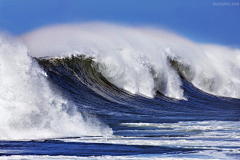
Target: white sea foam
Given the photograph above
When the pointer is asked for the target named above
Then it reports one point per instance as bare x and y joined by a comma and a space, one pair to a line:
137, 58
202, 155
29, 108
214, 139
199, 134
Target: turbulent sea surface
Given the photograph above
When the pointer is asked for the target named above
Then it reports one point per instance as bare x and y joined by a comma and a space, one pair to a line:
104, 91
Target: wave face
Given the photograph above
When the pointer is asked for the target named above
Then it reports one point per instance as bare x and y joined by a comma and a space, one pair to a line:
143, 60
30, 108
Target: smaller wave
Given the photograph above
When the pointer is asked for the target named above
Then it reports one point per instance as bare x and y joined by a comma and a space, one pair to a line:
214, 71
30, 108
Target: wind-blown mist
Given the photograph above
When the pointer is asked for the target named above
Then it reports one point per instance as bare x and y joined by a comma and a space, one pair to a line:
142, 60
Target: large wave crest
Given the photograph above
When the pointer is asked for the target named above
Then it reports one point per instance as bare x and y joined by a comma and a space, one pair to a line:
143, 60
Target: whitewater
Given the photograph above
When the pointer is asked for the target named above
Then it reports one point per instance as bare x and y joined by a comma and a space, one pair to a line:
99, 90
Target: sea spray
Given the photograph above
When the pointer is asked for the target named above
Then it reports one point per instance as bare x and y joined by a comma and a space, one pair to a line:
29, 108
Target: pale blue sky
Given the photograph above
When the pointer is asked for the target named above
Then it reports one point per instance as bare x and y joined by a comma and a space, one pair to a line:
198, 20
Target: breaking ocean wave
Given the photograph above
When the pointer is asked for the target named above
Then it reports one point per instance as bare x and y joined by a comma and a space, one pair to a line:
99, 90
